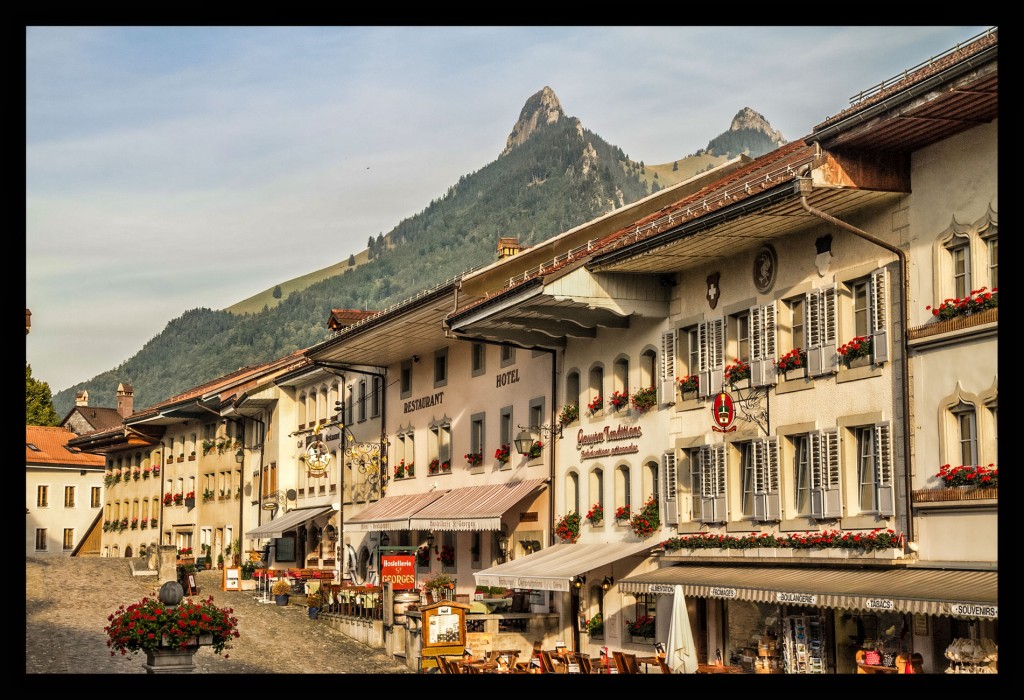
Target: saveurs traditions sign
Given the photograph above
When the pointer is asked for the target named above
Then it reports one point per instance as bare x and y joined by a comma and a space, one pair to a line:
399, 570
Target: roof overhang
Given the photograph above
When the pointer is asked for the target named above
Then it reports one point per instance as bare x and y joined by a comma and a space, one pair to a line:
966, 594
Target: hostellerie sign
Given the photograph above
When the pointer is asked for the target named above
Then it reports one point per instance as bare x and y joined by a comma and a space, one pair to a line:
399, 571
724, 412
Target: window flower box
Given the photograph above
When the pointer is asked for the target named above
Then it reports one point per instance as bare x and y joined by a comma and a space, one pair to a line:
644, 399
502, 454
688, 384
568, 527
570, 413
595, 516
596, 404
618, 399
475, 459
536, 449
795, 359
977, 301
857, 348
737, 372
403, 470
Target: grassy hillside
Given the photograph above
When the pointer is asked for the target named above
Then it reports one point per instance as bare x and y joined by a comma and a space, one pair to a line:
667, 174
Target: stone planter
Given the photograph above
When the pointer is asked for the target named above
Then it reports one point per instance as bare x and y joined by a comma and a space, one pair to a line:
166, 660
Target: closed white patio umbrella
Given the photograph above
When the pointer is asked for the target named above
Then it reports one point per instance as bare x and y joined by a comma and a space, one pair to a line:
680, 653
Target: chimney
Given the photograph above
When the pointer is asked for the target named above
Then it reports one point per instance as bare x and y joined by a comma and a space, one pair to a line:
125, 399
508, 246
82, 398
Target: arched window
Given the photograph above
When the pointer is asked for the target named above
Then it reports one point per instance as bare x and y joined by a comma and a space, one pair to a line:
623, 494
572, 493
595, 384
648, 369
620, 375
302, 409
572, 388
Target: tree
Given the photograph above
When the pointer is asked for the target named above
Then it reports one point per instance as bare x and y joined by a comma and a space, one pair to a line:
38, 401
351, 260
675, 166
277, 292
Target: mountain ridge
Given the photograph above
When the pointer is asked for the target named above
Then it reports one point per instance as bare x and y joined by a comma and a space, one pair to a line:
552, 175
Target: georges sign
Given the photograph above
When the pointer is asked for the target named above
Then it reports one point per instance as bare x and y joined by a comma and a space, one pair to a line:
585, 441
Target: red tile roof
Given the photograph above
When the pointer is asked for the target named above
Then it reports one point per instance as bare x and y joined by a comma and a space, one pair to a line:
51, 447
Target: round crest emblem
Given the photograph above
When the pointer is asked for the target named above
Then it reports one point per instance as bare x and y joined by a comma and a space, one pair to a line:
723, 410
318, 456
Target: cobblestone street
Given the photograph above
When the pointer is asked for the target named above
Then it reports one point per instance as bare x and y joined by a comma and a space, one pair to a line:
68, 600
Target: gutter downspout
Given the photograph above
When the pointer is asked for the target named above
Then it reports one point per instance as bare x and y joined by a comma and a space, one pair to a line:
803, 188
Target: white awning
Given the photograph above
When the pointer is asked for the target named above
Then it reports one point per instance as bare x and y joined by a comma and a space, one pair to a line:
474, 507
553, 569
965, 594
287, 521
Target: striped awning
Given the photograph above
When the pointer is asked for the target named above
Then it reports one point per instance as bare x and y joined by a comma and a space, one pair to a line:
287, 521
474, 507
956, 593
391, 512
553, 569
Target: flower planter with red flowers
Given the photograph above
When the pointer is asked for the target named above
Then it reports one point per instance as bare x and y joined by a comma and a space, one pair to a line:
622, 515
568, 527
596, 404
737, 372
977, 301
795, 359
644, 400
595, 516
618, 400
475, 459
858, 347
502, 454
688, 384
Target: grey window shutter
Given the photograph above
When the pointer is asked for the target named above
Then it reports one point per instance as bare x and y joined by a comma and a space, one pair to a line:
825, 481
879, 309
762, 345
670, 500
883, 467
712, 484
668, 367
820, 319
711, 348
767, 501
829, 330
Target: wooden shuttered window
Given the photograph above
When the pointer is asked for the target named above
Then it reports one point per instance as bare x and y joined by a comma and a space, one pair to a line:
711, 356
826, 500
762, 345
670, 498
883, 466
667, 366
712, 484
767, 499
820, 321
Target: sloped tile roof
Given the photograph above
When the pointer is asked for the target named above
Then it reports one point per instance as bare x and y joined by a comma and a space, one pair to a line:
51, 447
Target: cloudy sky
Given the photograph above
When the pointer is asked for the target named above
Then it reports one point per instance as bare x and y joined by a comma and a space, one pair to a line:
170, 168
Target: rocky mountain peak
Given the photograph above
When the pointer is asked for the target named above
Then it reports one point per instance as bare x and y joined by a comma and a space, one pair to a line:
541, 108
747, 118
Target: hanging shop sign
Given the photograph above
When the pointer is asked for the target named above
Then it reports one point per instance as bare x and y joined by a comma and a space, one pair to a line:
974, 610
724, 411
399, 570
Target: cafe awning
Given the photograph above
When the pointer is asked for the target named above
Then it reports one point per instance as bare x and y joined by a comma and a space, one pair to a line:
287, 521
474, 507
958, 593
553, 569
391, 512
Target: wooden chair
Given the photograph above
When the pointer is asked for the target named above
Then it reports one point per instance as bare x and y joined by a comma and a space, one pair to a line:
525, 665
583, 661
662, 665
442, 665
620, 662
632, 665
547, 665
453, 665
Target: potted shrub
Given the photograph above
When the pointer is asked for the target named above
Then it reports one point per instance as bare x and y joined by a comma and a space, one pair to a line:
280, 591
220, 561
314, 603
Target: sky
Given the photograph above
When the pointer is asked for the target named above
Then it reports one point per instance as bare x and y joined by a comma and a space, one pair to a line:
172, 168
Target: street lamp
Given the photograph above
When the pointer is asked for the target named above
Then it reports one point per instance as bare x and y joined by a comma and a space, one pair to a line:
525, 439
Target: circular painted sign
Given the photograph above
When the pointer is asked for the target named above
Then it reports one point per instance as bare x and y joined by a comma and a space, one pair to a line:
318, 456
723, 410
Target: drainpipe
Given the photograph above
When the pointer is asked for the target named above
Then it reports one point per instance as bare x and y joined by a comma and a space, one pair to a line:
803, 188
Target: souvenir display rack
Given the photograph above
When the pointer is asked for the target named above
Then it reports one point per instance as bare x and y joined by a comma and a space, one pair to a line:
804, 644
